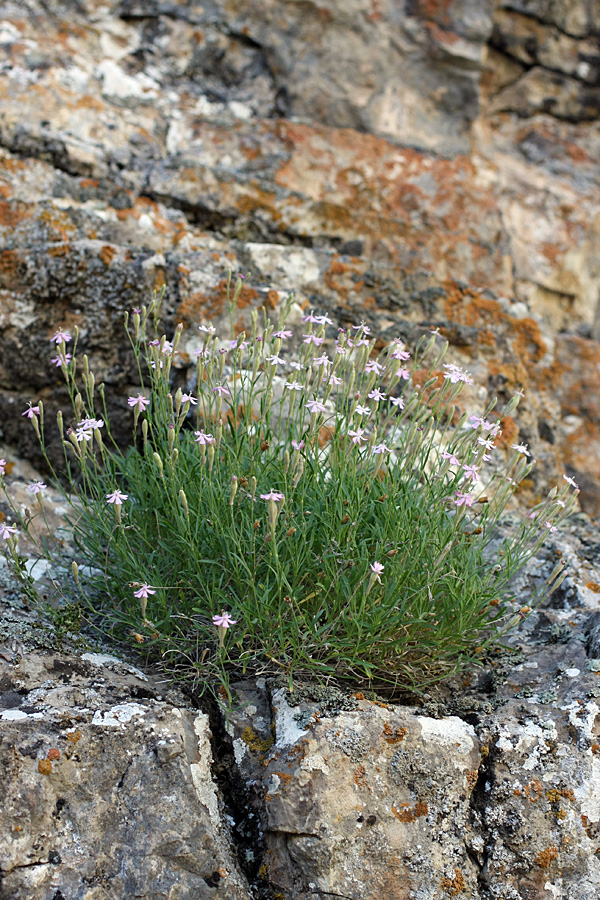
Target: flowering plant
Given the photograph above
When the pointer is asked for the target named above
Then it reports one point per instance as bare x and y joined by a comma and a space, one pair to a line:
329, 513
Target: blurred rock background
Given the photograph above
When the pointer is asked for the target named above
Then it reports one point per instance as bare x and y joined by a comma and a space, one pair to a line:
413, 163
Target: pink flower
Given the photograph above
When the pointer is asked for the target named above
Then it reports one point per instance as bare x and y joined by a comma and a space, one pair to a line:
357, 436
6, 531
403, 373
335, 380
294, 386
486, 442
313, 339
472, 472
59, 362
377, 568
566, 477
315, 406
322, 361
189, 398
309, 317
274, 360
376, 395
221, 390
296, 365
381, 448
140, 401
282, 335
297, 445
374, 366
453, 460
464, 499
204, 439
61, 337
144, 592
36, 487
225, 620
456, 374
365, 328
400, 353
207, 329
397, 401
117, 497
275, 496
31, 412
551, 528
521, 448
2, 466
362, 410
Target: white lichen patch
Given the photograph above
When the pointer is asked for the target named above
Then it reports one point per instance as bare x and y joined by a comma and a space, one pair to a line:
286, 727
240, 750
583, 718
314, 763
119, 716
17, 715
201, 774
449, 732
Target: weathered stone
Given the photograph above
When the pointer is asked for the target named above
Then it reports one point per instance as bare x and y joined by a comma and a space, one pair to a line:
107, 787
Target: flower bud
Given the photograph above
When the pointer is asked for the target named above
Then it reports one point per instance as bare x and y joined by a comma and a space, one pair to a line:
184, 503
159, 463
233, 489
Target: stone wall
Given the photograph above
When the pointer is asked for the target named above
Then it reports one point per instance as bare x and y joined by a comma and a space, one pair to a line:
418, 164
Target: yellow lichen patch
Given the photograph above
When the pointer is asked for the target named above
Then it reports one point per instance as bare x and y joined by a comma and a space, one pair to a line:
254, 743
556, 794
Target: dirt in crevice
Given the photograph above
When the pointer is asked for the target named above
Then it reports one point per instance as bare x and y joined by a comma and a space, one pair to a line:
241, 804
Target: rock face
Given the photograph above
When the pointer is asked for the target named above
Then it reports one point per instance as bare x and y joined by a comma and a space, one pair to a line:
374, 157
107, 787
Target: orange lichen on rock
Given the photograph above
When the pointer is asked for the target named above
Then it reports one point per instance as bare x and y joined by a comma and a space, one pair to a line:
545, 857
404, 812
393, 735
106, 254
454, 886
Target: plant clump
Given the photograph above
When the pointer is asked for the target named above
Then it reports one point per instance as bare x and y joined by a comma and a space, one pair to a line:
327, 514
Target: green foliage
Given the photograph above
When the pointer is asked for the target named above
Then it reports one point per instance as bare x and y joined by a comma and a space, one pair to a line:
334, 513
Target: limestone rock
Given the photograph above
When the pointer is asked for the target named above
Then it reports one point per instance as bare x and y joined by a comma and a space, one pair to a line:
106, 785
